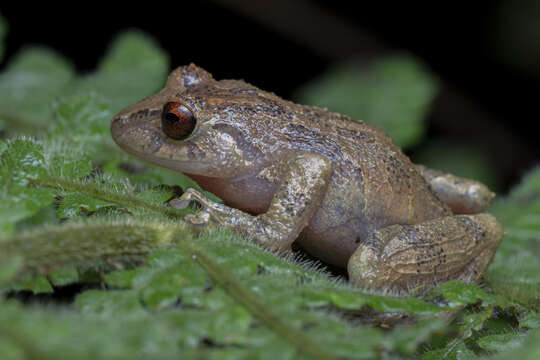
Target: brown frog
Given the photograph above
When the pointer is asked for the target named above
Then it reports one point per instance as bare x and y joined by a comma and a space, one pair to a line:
290, 172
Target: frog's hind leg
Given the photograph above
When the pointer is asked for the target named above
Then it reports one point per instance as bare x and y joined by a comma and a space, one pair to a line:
401, 257
463, 196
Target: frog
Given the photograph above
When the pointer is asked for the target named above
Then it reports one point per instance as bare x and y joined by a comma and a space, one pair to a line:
337, 188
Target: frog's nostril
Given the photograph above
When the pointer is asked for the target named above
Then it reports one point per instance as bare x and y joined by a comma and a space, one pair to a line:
119, 120
118, 128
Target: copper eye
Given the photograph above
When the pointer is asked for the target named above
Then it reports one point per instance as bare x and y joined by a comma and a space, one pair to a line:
177, 120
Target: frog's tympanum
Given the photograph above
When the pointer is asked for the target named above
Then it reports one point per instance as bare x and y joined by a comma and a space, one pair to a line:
286, 172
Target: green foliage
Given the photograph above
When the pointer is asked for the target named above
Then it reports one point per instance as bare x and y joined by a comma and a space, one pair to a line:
32, 81
499, 342
458, 294
515, 271
75, 210
393, 93
133, 68
20, 161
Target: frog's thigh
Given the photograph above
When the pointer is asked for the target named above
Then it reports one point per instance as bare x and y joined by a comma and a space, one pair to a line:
463, 196
401, 257
297, 199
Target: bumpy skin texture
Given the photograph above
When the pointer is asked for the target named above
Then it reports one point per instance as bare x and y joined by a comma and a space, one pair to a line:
339, 187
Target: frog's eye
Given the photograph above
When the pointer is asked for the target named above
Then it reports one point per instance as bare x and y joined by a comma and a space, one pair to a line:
177, 120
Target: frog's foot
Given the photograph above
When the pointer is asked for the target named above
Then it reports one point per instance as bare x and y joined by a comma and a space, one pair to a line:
202, 218
199, 219
296, 200
401, 257
189, 195
463, 196
210, 209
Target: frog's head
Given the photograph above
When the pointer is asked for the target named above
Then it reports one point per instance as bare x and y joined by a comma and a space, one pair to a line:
196, 125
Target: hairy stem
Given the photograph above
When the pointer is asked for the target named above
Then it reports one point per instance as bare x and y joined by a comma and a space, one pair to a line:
261, 311
86, 243
125, 200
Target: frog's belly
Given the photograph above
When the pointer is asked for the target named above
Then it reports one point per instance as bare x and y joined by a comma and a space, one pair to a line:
334, 245
252, 195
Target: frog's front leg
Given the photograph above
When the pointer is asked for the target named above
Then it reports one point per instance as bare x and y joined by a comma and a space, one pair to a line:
298, 197
401, 257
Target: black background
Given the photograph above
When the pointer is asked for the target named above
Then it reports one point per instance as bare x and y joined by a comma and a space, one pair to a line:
226, 38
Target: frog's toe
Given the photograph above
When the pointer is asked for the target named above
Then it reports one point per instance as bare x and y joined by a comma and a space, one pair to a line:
179, 203
201, 218
183, 201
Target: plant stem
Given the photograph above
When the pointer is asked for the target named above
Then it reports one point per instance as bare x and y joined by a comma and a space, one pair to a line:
125, 200
261, 311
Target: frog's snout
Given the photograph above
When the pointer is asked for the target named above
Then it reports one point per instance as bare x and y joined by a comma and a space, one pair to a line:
117, 124
137, 132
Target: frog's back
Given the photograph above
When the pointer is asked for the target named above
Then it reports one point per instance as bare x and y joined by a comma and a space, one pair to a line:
373, 185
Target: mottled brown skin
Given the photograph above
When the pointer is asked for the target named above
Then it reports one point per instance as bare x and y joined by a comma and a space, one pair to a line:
341, 188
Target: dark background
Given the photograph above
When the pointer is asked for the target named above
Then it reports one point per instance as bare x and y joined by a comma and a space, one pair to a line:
486, 53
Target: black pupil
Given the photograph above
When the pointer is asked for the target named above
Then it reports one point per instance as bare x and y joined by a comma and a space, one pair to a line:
171, 117
177, 121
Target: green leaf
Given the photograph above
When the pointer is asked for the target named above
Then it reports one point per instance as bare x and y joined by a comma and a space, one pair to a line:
21, 161
66, 162
157, 195
45, 216
73, 205
407, 338
515, 272
84, 121
530, 320
73, 336
454, 351
28, 86
64, 276
25, 160
502, 342
458, 294
9, 268
515, 347
393, 93
474, 322
133, 68
38, 284
109, 303
121, 279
